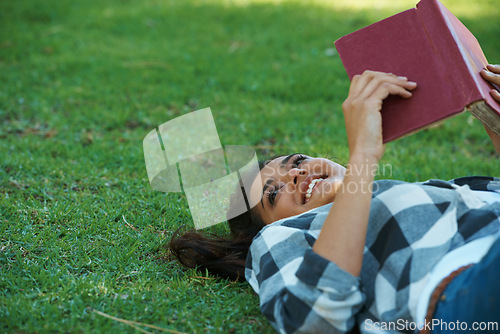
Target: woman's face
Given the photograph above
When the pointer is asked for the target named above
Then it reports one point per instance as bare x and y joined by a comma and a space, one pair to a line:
295, 184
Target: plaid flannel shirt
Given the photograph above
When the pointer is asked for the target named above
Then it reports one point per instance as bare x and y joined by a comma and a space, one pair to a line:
411, 227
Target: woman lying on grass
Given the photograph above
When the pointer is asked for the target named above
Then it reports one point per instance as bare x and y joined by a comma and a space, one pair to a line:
332, 248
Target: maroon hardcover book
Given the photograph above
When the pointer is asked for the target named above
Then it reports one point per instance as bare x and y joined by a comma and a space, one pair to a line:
430, 46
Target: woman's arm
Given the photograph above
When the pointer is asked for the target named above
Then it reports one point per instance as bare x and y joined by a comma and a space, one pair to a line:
493, 76
343, 235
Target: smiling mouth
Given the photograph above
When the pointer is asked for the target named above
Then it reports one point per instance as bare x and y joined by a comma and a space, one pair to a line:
310, 188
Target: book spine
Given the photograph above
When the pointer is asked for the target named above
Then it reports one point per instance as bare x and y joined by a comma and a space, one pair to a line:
446, 43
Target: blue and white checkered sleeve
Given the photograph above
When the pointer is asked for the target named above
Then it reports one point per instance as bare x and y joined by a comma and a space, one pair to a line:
299, 290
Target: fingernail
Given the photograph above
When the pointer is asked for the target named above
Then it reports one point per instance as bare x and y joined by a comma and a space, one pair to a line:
403, 78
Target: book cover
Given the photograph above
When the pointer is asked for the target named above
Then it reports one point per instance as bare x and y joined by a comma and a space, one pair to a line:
430, 46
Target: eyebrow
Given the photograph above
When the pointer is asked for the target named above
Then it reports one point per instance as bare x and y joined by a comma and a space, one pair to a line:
268, 182
285, 161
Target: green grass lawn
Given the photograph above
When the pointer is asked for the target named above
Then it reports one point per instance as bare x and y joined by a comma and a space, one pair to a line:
82, 83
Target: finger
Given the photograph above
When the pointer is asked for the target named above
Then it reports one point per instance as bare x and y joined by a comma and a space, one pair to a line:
493, 68
495, 94
354, 87
359, 82
379, 81
491, 77
386, 89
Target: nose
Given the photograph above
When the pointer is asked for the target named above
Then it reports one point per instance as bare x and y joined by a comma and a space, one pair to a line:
294, 173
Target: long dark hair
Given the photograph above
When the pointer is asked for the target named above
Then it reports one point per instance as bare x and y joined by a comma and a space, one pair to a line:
223, 257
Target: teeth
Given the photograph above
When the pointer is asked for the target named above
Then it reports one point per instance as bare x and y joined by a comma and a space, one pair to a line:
311, 186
